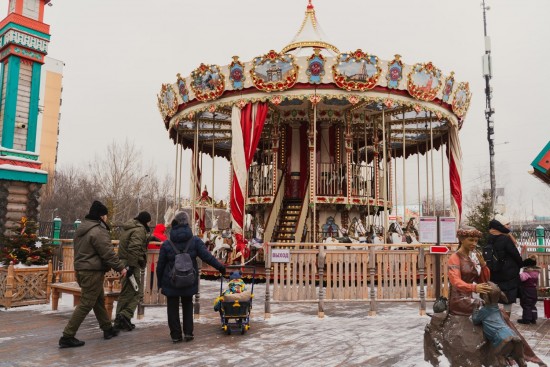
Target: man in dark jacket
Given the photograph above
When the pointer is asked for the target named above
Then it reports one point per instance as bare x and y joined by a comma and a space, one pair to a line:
93, 256
132, 251
180, 234
505, 251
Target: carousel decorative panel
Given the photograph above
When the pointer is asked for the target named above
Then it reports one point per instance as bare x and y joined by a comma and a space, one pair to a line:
182, 88
167, 101
461, 100
356, 71
274, 72
208, 82
424, 81
448, 88
395, 72
236, 73
315, 67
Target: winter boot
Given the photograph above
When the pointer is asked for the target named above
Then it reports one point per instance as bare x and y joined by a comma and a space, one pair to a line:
70, 342
109, 333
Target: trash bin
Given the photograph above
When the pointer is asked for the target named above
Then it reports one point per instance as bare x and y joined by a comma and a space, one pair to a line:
547, 308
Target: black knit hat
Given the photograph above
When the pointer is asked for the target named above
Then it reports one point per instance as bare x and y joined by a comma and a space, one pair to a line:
97, 210
143, 217
530, 262
495, 224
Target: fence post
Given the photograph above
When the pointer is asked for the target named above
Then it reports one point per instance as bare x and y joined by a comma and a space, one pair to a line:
540, 238
372, 272
421, 273
56, 230
267, 261
321, 272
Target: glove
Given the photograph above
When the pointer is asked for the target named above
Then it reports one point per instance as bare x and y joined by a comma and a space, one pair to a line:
222, 270
129, 271
142, 264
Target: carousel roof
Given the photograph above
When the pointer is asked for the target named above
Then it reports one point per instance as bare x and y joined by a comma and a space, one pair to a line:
417, 102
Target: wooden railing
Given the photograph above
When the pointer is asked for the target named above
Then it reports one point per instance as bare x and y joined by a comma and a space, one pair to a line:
365, 275
303, 216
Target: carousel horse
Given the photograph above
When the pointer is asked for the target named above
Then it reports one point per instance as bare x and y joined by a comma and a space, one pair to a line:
359, 231
248, 218
257, 241
215, 223
411, 233
221, 248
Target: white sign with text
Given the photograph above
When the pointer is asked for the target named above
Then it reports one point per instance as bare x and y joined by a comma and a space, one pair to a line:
427, 229
447, 230
280, 255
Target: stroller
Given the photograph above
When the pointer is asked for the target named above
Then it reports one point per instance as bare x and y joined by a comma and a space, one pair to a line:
235, 308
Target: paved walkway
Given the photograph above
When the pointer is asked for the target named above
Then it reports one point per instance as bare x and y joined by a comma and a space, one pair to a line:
294, 336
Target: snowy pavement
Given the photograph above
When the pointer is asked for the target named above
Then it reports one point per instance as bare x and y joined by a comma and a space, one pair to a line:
293, 336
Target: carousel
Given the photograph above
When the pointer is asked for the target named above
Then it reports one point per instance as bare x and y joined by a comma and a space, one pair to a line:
316, 138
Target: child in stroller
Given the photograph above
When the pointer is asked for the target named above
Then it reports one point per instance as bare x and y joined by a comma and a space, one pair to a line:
234, 304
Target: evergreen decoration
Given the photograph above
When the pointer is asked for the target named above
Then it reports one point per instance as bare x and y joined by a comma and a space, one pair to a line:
22, 246
480, 216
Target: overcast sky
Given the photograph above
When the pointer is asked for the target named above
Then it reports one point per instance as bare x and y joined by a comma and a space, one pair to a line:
118, 53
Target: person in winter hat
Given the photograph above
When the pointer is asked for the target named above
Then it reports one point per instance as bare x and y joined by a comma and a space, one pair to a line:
132, 250
94, 255
181, 237
505, 250
528, 295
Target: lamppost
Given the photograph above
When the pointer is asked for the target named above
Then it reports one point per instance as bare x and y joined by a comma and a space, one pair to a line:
139, 191
489, 111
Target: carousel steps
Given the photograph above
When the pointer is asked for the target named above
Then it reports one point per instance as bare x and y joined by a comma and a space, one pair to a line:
288, 219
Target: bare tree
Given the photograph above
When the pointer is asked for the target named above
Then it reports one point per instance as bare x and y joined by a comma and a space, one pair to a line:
117, 175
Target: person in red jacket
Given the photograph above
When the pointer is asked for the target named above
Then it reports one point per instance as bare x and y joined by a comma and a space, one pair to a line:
157, 236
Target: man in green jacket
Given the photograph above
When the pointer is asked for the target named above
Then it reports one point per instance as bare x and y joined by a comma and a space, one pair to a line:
93, 256
132, 250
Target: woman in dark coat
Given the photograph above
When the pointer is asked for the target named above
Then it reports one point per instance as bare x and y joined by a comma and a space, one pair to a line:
179, 234
504, 248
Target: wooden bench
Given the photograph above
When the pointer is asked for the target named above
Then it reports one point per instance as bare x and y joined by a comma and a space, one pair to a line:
111, 289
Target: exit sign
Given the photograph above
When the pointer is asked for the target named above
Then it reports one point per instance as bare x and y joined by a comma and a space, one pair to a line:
442, 250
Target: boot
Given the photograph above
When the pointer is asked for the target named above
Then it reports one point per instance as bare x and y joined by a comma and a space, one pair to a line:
122, 323
109, 333
70, 342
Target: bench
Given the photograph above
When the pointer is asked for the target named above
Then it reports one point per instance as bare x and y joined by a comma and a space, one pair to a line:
111, 290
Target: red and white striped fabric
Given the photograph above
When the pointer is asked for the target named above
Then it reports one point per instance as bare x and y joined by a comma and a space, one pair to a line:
196, 186
246, 128
455, 172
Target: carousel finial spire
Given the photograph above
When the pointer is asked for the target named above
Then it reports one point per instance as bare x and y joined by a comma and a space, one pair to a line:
309, 5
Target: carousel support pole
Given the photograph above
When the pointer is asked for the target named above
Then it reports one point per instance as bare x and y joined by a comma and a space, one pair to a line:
181, 170
404, 174
443, 174
418, 178
213, 171
384, 175
314, 172
432, 164
176, 169
196, 305
427, 181
321, 272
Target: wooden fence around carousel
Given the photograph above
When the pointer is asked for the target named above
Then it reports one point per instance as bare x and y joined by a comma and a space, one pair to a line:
365, 274
361, 274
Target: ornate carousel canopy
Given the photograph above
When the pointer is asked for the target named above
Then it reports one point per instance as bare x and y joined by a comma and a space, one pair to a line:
419, 101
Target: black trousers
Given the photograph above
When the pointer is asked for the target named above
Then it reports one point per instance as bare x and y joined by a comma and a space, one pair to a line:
173, 309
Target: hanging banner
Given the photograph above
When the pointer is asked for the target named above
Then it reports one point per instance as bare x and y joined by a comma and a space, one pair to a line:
427, 230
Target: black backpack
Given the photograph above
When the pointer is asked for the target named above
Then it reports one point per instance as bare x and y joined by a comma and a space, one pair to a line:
182, 274
495, 262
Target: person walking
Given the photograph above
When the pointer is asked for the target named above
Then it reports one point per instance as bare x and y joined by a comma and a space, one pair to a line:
506, 260
93, 256
181, 237
132, 251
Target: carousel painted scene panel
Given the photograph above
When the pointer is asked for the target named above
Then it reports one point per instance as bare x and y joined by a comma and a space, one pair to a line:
208, 82
274, 72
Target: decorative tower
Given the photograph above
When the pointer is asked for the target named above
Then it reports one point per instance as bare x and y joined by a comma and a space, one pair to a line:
24, 39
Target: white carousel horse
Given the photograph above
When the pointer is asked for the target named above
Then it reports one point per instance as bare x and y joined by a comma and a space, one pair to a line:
169, 215
248, 222
330, 240
221, 249
215, 223
257, 242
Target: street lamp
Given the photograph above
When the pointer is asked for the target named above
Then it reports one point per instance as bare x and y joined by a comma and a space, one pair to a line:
489, 111
139, 191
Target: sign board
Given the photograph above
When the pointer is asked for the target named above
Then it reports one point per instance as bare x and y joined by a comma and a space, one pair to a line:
427, 229
280, 255
441, 250
447, 230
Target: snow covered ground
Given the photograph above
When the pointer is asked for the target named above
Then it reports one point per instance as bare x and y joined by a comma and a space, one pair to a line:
293, 336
